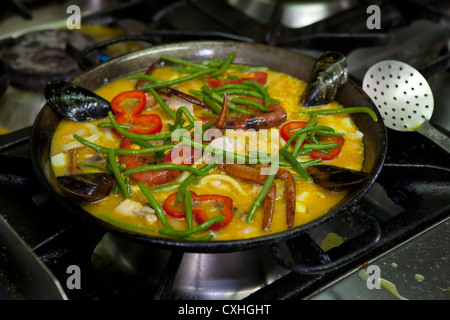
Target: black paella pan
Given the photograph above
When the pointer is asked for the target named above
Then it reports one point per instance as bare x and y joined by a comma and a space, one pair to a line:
277, 59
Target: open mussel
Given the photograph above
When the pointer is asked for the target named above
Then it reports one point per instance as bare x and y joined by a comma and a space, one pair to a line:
336, 178
329, 74
87, 187
75, 103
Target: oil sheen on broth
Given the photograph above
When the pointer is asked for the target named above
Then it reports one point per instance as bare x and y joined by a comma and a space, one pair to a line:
312, 201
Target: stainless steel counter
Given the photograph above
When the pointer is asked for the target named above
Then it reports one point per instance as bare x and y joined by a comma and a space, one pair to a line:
416, 270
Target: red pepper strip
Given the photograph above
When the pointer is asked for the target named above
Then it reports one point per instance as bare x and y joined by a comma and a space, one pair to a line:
258, 76
145, 123
290, 128
332, 153
170, 206
200, 214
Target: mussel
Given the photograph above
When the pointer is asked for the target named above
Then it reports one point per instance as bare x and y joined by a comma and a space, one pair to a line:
336, 178
87, 187
75, 103
329, 74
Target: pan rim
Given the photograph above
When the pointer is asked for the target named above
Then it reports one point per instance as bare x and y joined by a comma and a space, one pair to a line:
216, 245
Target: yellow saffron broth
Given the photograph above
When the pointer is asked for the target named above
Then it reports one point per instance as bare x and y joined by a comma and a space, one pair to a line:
312, 200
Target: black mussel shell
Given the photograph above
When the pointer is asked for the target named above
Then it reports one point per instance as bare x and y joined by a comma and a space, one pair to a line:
87, 187
75, 103
330, 73
336, 178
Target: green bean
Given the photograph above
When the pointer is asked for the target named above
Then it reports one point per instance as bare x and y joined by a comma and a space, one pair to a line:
187, 232
189, 116
169, 83
212, 63
197, 92
304, 131
260, 198
250, 103
116, 188
162, 103
127, 184
116, 172
242, 92
298, 143
310, 162
147, 77
185, 184
164, 166
208, 125
235, 86
91, 166
142, 143
155, 205
248, 69
306, 164
167, 188
176, 126
225, 65
219, 98
296, 165
348, 110
261, 89
323, 133
312, 137
211, 104
318, 146
188, 208
266, 158
184, 62
122, 152
108, 125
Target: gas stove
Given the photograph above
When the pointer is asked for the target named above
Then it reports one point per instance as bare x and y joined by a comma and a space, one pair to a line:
410, 200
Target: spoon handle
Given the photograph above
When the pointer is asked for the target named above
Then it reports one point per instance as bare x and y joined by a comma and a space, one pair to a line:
435, 135
14, 138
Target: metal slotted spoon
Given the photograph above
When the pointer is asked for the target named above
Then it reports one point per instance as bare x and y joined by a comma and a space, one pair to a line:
404, 98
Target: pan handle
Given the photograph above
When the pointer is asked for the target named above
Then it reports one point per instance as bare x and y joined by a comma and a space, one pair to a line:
15, 138
82, 59
324, 262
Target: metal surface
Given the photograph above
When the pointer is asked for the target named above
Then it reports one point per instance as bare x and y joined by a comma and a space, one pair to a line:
22, 274
136, 269
404, 98
295, 14
414, 271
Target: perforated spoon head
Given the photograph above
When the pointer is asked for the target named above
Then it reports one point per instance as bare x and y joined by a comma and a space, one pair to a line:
401, 93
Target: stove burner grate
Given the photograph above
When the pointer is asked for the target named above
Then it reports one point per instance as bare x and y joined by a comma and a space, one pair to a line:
38, 57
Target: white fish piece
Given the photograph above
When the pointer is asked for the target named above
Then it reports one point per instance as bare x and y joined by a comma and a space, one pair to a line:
59, 160
129, 207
